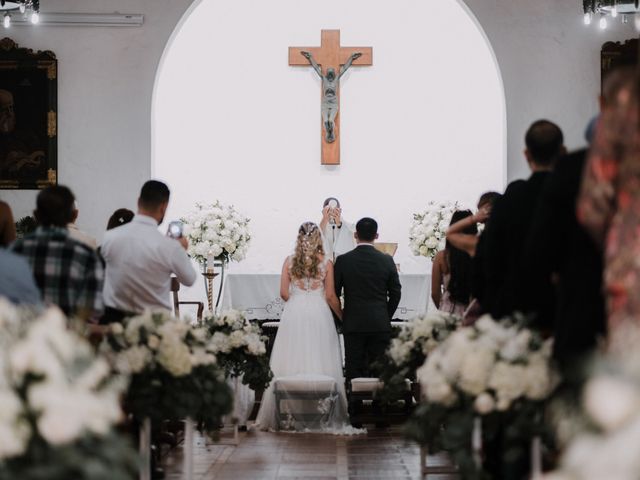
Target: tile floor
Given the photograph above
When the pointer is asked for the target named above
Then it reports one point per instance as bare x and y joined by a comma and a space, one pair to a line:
380, 454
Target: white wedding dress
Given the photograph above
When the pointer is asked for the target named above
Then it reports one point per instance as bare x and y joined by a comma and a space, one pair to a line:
306, 361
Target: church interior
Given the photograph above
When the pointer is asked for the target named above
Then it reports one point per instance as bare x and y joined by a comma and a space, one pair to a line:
337, 239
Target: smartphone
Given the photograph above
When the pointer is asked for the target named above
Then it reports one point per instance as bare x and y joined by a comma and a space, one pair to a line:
175, 229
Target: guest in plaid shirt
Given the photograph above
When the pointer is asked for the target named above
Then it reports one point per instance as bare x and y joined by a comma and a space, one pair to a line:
68, 272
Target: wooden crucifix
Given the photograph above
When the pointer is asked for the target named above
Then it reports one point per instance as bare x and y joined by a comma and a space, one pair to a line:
330, 60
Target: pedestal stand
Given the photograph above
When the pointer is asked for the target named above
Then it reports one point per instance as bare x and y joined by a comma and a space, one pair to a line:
145, 449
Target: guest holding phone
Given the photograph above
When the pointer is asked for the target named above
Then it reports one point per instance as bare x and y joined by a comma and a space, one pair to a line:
140, 260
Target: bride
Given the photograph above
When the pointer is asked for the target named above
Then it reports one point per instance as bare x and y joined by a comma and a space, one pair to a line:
307, 349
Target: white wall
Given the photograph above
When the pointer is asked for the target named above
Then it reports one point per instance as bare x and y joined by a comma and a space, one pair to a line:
105, 86
414, 128
548, 59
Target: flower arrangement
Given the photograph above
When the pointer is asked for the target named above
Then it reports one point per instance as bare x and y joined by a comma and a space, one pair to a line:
601, 435
427, 235
239, 347
216, 230
59, 403
174, 373
499, 371
410, 348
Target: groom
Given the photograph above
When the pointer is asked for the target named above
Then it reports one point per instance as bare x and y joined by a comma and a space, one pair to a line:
371, 287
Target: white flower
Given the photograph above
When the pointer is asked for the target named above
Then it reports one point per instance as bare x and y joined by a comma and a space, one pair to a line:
539, 381
153, 342
484, 404
220, 343
508, 381
14, 433
516, 347
437, 389
236, 339
117, 328
432, 242
97, 372
457, 347
255, 345
134, 359
174, 355
201, 357
611, 401
475, 370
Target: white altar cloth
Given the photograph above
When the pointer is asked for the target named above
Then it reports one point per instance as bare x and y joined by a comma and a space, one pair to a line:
259, 295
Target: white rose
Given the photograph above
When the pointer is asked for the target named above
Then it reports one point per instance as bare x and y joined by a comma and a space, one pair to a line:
484, 404
219, 343
517, 347
475, 371
201, 357
424, 251
438, 390
508, 382
456, 348
174, 356
610, 401
117, 328
431, 243
14, 433
538, 378
236, 339
153, 342
134, 359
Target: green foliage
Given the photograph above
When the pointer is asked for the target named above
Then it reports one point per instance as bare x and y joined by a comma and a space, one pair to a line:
25, 226
255, 370
247, 359
203, 395
506, 435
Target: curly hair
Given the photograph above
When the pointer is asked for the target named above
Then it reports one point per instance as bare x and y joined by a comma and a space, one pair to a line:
305, 262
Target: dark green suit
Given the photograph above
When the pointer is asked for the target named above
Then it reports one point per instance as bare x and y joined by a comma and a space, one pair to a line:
371, 286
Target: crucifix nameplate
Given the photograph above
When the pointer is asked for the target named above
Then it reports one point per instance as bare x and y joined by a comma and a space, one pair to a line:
330, 61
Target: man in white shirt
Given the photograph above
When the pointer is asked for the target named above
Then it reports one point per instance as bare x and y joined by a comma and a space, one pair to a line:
76, 233
140, 260
338, 234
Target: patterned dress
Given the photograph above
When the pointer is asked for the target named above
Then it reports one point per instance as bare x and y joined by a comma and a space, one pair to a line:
609, 206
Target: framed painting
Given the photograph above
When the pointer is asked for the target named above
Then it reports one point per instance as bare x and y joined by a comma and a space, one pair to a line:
28, 117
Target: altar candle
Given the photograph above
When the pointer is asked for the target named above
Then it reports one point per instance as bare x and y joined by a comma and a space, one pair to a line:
210, 260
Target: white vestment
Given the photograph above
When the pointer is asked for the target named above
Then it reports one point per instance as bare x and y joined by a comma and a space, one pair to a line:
338, 240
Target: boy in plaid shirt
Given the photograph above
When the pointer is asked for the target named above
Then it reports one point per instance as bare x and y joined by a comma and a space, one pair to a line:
68, 272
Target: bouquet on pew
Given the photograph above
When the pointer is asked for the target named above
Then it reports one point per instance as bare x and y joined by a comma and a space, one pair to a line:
499, 372
59, 403
174, 372
408, 351
239, 347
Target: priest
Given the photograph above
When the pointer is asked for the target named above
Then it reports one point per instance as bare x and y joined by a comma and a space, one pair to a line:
338, 234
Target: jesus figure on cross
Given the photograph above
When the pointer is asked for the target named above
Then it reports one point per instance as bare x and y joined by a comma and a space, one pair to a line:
330, 83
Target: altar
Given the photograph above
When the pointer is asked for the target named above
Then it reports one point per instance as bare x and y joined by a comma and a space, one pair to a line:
259, 295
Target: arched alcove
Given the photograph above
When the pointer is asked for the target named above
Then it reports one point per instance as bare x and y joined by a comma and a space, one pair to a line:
232, 121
